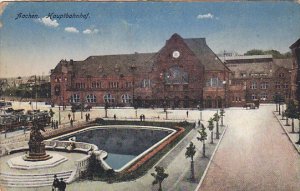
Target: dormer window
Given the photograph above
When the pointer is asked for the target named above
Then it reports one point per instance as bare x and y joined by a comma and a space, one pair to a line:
100, 68
281, 75
117, 68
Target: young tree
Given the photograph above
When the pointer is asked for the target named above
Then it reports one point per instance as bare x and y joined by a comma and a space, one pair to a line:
202, 138
136, 109
298, 142
292, 112
159, 176
286, 118
211, 128
106, 108
216, 119
73, 109
190, 153
51, 113
222, 114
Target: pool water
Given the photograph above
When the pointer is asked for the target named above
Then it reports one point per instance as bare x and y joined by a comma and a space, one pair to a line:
117, 161
122, 144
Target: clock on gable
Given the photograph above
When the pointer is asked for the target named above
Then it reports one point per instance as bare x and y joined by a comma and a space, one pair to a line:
176, 54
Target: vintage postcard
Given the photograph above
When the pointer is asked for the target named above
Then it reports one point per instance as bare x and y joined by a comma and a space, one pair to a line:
173, 96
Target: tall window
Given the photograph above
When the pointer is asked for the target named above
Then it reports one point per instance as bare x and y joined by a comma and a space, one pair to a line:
108, 98
80, 85
126, 98
128, 84
277, 85
253, 85
75, 98
113, 85
253, 96
264, 85
281, 75
96, 85
146, 83
91, 98
214, 82
285, 85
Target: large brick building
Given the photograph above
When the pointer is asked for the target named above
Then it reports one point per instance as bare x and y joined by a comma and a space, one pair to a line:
258, 77
183, 73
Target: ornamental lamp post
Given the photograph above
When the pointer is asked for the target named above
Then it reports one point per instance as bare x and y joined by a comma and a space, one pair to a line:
224, 84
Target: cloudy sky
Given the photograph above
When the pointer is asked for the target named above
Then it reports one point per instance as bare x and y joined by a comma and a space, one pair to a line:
37, 40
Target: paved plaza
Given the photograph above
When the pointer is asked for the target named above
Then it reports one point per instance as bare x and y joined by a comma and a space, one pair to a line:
254, 154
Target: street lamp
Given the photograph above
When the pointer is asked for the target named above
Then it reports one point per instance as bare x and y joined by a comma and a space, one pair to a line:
224, 84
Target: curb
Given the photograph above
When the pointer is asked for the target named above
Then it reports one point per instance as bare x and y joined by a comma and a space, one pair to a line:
287, 133
211, 158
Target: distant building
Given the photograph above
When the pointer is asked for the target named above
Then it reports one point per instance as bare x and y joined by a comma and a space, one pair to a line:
258, 77
183, 73
295, 70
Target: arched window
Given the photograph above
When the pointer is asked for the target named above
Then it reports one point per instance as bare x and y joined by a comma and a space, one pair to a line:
126, 98
91, 98
108, 98
75, 98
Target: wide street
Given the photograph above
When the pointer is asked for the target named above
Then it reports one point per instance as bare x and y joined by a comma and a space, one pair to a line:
255, 154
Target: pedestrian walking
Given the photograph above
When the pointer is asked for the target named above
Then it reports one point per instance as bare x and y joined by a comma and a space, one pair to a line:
71, 122
86, 117
187, 114
141, 117
199, 123
55, 183
56, 124
62, 185
69, 116
52, 124
115, 117
89, 116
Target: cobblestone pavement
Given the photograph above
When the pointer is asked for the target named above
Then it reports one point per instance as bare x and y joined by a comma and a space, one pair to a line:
255, 154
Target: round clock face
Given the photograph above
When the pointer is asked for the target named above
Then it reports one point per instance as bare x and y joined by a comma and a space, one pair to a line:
176, 54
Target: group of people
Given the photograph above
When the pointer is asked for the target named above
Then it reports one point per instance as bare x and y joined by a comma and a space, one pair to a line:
142, 117
54, 124
58, 185
87, 117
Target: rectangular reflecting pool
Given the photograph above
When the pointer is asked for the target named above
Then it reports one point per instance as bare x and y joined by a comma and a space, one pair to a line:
124, 144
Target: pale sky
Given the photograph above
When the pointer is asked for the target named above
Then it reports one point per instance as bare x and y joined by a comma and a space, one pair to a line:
35, 45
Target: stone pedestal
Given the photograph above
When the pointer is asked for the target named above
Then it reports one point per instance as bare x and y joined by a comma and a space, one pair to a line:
37, 152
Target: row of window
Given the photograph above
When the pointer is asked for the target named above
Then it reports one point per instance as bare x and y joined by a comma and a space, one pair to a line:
146, 83
108, 98
264, 96
243, 75
265, 85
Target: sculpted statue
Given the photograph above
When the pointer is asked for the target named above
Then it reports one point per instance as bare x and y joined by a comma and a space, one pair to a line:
35, 133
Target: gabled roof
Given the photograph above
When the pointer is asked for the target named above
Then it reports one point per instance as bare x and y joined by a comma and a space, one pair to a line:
296, 44
111, 65
206, 56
